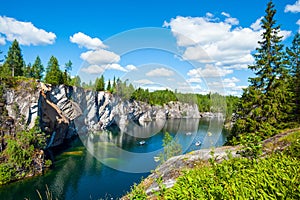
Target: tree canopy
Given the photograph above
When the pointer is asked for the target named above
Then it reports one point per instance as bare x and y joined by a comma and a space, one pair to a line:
14, 63
54, 75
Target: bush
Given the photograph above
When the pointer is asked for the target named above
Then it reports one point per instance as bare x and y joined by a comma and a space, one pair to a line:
275, 177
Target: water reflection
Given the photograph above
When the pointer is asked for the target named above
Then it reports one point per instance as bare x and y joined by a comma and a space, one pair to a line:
79, 175
119, 148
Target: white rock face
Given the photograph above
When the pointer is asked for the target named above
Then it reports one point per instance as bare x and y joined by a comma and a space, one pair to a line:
72, 110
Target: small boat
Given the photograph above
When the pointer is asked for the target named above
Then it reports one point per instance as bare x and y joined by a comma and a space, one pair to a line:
156, 159
188, 133
142, 142
209, 134
198, 143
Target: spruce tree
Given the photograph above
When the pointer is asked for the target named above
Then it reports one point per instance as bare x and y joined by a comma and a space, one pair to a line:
100, 84
54, 75
293, 59
37, 69
108, 88
264, 105
14, 62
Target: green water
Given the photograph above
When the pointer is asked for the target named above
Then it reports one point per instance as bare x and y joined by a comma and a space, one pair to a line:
92, 170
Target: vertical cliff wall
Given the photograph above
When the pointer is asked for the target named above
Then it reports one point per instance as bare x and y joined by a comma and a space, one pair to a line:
66, 111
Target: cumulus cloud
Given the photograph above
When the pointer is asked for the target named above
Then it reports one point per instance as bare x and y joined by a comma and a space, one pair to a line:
83, 40
98, 69
256, 26
93, 69
209, 71
25, 32
295, 8
194, 80
131, 67
100, 57
160, 72
217, 42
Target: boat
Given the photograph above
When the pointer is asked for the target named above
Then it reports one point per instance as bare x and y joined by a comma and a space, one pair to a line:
156, 159
188, 133
142, 142
198, 143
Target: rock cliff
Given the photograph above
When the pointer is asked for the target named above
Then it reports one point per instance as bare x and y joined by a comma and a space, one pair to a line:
66, 111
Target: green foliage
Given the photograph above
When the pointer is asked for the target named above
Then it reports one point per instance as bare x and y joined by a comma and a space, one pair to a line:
275, 177
66, 73
19, 153
76, 81
159, 97
7, 173
14, 63
171, 148
109, 88
100, 84
293, 61
266, 104
37, 69
137, 192
54, 75
252, 146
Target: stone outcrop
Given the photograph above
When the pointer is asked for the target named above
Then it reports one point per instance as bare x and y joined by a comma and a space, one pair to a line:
66, 111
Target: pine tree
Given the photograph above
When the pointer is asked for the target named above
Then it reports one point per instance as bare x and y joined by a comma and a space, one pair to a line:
108, 88
14, 60
54, 75
293, 59
66, 75
100, 84
37, 69
265, 104
76, 81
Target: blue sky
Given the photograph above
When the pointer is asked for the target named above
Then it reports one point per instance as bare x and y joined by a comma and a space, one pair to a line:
112, 37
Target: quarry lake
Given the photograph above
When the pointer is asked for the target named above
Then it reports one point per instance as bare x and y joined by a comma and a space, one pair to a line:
104, 165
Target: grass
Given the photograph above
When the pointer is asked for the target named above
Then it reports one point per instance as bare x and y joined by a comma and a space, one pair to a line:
274, 176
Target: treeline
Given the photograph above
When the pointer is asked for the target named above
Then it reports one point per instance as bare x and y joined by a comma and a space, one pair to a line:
15, 66
271, 102
212, 102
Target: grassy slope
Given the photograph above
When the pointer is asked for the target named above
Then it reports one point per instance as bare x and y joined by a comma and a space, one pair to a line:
275, 175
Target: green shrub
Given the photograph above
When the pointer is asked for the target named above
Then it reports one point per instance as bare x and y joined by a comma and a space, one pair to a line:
275, 177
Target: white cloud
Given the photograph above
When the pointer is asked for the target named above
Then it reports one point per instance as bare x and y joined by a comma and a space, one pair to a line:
114, 66
232, 21
93, 69
225, 14
295, 8
143, 82
209, 15
298, 23
131, 67
160, 72
217, 42
2, 40
86, 41
231, 80
25, 32
194, 80
197, 30
100, 57
209, 71
98, 69
256, 26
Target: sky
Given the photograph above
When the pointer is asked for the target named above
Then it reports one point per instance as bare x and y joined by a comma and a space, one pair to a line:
191, 46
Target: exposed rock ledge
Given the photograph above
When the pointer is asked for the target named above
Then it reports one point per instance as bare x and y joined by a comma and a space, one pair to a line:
66, 111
